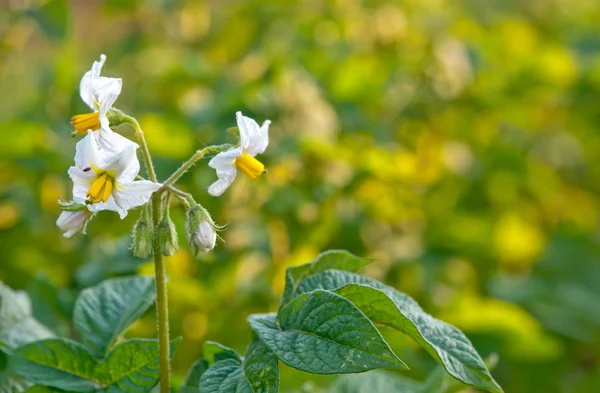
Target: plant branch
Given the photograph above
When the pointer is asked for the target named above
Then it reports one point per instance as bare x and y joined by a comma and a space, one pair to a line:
162, 307
139, 133
185, 167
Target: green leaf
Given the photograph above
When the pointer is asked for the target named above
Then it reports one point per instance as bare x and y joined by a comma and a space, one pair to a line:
225, 376
387, 306
332, 259
323, 333
102, 313
17, 326
375, 382
133, 366
191, 384
259, 372
261, 368
214, 352
59, 363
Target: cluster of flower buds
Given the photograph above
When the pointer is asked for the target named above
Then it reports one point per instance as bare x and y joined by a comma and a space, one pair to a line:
105, 174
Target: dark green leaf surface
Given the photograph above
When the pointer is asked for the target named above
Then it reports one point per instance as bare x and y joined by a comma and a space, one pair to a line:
225, 376
259, 373
214, 352
102, 313
378, 381
332, 259
323, 333
261, 368
59, 363
131, 367
191, 384
17, 325
387, 306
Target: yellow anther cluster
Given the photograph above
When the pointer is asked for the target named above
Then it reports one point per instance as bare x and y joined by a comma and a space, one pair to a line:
85, 122
101, 189
250, 166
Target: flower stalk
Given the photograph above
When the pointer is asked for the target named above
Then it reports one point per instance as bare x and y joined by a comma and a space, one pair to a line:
162, 306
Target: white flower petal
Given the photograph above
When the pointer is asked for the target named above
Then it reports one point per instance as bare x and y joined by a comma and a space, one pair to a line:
71, 221
260, 142
82, 182
88, 154
218, 187
127, 166
134, 194
86, 89
224, 164
110, 204
248, 128
112, 142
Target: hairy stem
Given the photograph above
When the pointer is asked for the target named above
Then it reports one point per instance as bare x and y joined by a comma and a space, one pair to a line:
140, 137
185, 167
162, 307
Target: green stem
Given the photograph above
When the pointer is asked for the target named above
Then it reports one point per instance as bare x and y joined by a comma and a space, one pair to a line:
140, 137
162, 307
185, 167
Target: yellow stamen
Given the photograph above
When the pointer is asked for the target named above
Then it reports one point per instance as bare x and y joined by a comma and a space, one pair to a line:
250, 166
85, 122
107, 190
100, 189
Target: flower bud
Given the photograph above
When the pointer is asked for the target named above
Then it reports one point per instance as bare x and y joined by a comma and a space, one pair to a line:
143, 233
166, 235
72, 221
202, 235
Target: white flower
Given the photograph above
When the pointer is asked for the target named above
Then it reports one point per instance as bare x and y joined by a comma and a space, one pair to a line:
253, 140
105, 180
99, 93
204, 238
72, 221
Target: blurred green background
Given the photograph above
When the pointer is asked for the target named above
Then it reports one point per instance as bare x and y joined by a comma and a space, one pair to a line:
454, 141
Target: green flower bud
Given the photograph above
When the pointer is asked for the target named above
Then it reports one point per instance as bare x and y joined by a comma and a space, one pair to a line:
143, 233
166, 235
201, 231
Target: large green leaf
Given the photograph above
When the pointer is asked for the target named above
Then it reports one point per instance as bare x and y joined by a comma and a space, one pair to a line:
17, 325
378, 381
385, 305
133, 366
259, 373
191, 384
323, 333
214, 352
59, 363
332, 259
102, 313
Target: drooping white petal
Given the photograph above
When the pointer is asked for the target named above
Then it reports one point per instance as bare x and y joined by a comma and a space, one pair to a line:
88, 154
134, 194
126, 167
86, 89
71, 221
259, 144
82, 181
253, 139
99, 92
248, 129
111, 204
112, 142
224, 164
